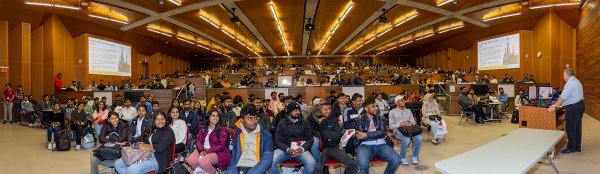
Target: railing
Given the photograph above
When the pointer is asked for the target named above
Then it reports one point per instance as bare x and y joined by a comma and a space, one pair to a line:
448, 100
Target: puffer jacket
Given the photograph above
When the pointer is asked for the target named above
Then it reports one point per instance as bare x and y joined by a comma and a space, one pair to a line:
362, 124
115, 134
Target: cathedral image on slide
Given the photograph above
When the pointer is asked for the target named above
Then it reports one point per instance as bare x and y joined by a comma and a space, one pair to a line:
510, 57
124, 66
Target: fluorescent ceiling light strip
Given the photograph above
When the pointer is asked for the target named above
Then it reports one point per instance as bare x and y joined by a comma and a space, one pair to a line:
185, 40
380, 52
228, 34
392, 48
100, 17
370, 40
213, 24
407, 19
114, 20
335, 28
449, 29
405, 43
567, 3
384, 32
346, 12
503, 16
39, 3
319, 52
159, 32
444, 3
288, 52
541, 6
175, 2
328, 39
240, 42
203, 47
280, 30
423, 37
274, 13
67, 6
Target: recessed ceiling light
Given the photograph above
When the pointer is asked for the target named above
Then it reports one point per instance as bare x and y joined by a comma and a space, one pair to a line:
525, 3
166, 42
84, 3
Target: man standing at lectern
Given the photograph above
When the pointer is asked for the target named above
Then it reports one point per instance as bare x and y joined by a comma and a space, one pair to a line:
572, 99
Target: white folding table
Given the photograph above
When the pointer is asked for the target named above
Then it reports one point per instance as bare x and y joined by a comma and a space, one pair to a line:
516, 152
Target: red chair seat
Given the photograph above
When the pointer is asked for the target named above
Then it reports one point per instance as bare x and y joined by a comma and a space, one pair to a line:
377, 161
331, 162
290, 163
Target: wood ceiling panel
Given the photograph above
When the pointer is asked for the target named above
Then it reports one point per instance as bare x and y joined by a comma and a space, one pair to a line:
328, 15
462, 4
220, 16
20, 14
291, 17
154, 6
394, 16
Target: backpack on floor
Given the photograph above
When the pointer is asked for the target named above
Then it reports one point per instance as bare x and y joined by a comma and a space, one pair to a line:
64, 143
515, 117
88, 141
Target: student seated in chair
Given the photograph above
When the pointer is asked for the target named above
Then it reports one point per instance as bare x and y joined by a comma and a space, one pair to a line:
158, 140
252, 146
370, 140
113, 132
293, 129
138, 124
400, 117
331, 133
212, 146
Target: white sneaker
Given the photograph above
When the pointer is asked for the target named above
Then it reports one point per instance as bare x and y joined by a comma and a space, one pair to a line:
403, 162
49, 146
415, 160
53, 145
77, 147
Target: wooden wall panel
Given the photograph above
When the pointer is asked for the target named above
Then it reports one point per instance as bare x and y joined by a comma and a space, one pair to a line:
37, 63
153, 66
20, 56
48, 58
588, 56
4, 52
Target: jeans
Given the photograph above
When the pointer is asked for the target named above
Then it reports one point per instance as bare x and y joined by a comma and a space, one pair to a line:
339, 155
8, 107
94, 162
405, 140
78, 132
55, 131
136, 168
97, 128
305, 158
366, 153
434, 129
315, 151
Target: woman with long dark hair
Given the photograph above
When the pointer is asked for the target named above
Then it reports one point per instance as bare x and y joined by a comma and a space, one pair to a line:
57, 123
175, 103
179, 128
157, 139
212, 147
99, 116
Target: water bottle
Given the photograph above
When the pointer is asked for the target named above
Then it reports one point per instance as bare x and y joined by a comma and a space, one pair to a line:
241, 172
541, 100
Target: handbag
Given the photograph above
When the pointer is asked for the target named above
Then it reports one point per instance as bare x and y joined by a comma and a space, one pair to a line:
410, 131
131, 155
178, 168
108, 151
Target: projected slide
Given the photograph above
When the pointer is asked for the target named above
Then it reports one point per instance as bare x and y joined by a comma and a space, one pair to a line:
108, 58
499, 53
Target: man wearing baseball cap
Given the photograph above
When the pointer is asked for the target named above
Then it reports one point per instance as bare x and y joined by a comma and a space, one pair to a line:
314, 120
400, 117
292, 141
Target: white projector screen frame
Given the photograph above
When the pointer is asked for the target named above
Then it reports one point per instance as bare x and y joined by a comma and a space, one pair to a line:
499, 53
108, 58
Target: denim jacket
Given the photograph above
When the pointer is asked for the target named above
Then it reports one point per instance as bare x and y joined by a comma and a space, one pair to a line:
362, 125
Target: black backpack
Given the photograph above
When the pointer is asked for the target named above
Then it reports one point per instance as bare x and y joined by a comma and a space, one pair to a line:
64, 143
515, 117
331, 129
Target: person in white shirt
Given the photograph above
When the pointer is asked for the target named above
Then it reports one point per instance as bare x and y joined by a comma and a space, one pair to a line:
179, 128
384, 108
301, 82
494, 80
520, 100
128, 112
400, 117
